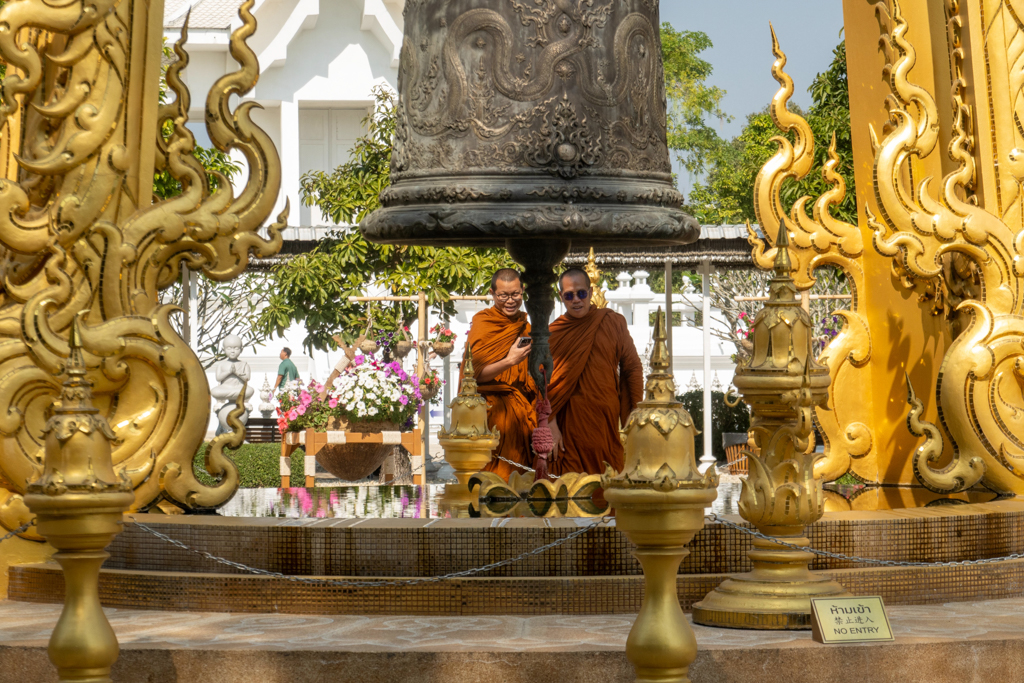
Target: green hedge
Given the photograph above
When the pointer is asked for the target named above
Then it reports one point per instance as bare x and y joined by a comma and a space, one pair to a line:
723, 419
258, 465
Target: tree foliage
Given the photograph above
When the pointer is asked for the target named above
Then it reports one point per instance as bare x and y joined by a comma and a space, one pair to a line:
314, 288
691, 101
726, 195
223, 308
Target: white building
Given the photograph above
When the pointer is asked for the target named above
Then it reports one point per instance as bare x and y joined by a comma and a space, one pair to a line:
319, 62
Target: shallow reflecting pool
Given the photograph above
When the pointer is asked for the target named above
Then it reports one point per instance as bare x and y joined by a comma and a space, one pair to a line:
392, 502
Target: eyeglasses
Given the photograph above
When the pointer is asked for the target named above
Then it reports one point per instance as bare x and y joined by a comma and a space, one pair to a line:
580, 294
506, 296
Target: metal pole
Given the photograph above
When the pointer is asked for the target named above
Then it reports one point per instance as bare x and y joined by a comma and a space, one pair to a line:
668, 307
707, 459
419, 466
446, 395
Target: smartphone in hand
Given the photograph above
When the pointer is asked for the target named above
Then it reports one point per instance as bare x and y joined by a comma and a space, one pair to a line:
524, 341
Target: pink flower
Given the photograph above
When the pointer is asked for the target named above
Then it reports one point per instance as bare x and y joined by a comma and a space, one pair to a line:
293, 415
403, 399
319, 388
333, 402
301, 410
305, 398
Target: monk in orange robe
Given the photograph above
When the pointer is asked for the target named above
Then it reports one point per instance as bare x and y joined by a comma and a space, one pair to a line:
596, 382
499, 339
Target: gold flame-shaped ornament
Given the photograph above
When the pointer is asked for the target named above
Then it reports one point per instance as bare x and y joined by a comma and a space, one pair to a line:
82, 237
782, 383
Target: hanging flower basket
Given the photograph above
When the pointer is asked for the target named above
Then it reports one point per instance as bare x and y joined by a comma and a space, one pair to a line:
430, 384
404, 346
429, 392
443, 341
443, 349
369, 345
355, 461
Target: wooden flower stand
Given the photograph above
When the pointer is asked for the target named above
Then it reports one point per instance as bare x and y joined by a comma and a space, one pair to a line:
313, 441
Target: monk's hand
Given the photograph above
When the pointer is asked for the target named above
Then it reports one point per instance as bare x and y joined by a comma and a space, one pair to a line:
559, 444
517, 353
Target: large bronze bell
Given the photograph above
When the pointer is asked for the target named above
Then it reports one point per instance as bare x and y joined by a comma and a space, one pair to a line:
531, 124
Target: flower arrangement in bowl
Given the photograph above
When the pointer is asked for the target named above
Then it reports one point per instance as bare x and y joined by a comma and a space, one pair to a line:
374, 397
442, 340
430, 384
300, 407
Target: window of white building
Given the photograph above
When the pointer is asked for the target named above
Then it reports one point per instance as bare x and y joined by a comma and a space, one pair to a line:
326, 137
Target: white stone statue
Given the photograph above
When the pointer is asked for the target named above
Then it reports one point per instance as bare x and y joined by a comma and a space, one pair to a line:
232, 374
266, 393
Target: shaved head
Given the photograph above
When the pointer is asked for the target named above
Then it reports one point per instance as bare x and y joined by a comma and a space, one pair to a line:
573, 273
505, 275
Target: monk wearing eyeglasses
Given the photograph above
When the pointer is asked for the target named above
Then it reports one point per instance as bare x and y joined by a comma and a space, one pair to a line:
596, 382
499, 339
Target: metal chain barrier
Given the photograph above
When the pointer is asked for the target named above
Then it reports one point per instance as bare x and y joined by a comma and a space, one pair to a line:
521, 465
20, 530
369, 583
853, 558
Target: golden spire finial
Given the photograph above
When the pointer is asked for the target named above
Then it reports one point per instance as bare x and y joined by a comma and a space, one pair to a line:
783, 263
594, 274
468, 387
661, 385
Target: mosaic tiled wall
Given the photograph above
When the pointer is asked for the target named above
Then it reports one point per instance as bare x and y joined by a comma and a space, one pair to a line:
593, 574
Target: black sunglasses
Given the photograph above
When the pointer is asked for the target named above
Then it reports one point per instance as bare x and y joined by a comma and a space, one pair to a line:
579, 294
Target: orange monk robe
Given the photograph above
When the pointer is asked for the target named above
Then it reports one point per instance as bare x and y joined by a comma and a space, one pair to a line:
596, 383
511, 394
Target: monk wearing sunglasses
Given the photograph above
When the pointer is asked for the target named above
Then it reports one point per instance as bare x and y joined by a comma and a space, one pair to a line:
596, 382
500, 339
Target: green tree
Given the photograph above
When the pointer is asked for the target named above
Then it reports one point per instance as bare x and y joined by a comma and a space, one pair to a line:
726, 194
691, 101
314, 288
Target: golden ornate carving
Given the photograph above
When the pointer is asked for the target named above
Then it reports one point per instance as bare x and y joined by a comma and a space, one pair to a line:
817, 241
782, 383
468, 445
82, 237
659, 500
921, 227
523, 486
594, 273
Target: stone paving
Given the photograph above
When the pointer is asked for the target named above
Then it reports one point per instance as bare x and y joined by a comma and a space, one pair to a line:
954, 643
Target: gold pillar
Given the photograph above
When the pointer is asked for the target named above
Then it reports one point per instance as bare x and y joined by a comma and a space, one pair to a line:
659, 500
468, 444
783, 383
79, 502
908, 332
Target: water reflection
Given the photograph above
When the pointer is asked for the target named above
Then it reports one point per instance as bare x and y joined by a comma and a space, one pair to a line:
403, 502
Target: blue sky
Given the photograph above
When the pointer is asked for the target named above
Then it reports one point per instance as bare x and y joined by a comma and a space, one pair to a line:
808, 31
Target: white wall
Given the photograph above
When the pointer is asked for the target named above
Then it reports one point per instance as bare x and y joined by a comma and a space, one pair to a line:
321, 57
